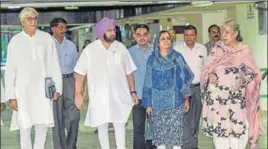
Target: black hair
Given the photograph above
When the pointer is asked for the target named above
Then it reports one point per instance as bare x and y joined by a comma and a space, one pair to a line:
239, 37
56, 21
142, 26
190, 27
213, 25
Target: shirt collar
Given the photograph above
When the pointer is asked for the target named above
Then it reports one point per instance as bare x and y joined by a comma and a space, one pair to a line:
195, 45
64, 38
149, 48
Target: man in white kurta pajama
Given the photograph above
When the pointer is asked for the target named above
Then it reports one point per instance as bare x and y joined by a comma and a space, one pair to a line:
32, 56
109, 67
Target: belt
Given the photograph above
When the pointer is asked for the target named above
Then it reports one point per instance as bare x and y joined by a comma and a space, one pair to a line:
194, 85
67, 75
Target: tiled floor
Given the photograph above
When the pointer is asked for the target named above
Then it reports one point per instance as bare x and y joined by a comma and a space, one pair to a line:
88, 140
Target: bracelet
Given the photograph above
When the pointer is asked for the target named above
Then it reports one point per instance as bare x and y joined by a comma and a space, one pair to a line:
133, 92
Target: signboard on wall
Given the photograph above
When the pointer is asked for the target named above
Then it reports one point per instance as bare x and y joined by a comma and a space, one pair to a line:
250, 11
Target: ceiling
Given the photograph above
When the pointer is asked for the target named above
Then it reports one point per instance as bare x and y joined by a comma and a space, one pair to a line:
193, 7
80, 3
190, 9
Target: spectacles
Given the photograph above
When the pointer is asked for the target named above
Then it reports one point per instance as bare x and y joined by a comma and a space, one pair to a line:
31, 19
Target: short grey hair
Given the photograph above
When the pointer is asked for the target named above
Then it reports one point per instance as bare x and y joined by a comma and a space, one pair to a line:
235, 26
25, 11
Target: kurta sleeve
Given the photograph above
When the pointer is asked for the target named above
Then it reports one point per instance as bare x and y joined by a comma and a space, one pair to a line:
147, 86
129, 64
10, 74
187, 77
55, 67
82, 63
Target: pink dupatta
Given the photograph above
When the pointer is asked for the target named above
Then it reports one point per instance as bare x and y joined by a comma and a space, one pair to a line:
222, 55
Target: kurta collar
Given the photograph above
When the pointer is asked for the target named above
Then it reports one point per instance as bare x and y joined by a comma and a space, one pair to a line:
27, 35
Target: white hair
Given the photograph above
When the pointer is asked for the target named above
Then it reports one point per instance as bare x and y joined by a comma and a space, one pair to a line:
26, 11
231, 22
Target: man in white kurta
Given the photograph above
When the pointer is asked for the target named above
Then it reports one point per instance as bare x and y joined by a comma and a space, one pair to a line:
110, 83
31, 58
110, 98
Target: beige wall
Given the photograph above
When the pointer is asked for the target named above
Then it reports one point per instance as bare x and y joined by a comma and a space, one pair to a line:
196, 20
258, 43
193, 19
231, 12
218, 18
164, 23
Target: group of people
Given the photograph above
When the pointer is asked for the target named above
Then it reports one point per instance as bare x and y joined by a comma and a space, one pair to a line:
171, 82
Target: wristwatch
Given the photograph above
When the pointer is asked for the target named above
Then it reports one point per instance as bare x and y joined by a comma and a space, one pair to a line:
133, 92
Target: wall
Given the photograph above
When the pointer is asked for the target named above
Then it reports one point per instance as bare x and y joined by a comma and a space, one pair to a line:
207, 21
193, 19
196, 19
231, 12
163, 23
179, 21
258, 43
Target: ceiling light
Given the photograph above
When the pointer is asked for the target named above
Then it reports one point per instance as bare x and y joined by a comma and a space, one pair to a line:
202, 3
71, 7
13, 7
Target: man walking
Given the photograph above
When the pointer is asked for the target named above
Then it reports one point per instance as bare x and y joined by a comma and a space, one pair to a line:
140, 53
109, 69
66, 114
31, 59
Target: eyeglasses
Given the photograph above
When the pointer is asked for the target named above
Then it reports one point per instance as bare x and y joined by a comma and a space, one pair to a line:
31, 19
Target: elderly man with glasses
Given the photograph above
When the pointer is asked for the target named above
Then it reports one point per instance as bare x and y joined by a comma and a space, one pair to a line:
31, 60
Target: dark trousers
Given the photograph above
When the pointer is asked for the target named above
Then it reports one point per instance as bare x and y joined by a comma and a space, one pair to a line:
192, 119
139, 116
66, 117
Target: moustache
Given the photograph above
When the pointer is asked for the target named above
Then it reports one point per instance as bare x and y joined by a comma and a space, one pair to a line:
216, 36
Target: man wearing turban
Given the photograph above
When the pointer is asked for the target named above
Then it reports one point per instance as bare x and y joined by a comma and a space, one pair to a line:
109, 69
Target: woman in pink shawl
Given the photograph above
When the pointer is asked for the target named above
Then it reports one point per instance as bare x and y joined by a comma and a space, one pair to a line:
230, 92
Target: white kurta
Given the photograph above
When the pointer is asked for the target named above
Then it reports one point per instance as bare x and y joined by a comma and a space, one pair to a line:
28, 61
109, 94
2, 97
